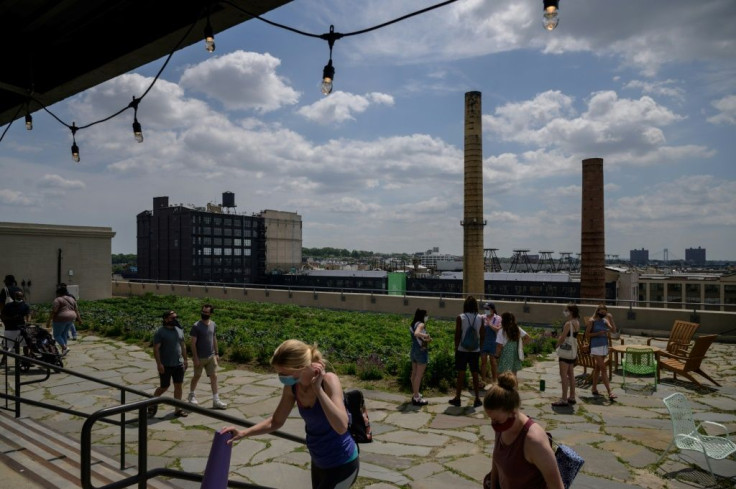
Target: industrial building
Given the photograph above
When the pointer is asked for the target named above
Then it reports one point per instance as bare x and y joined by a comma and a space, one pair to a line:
213, 243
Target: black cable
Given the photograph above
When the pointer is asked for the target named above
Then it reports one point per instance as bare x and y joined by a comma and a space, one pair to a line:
330, 37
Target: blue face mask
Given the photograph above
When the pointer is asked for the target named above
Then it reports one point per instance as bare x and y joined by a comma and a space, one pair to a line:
288, 380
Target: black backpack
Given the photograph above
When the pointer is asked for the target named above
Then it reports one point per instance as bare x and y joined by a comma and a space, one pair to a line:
359, 425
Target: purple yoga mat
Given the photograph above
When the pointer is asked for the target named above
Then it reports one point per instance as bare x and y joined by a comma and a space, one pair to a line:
218, 464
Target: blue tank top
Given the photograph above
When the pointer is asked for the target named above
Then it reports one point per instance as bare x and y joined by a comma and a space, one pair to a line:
598, 326
327, 448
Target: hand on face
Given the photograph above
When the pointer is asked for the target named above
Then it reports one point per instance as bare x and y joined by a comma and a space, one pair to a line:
318, 374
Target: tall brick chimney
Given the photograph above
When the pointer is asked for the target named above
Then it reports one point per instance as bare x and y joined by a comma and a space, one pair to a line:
592, 235
473, 222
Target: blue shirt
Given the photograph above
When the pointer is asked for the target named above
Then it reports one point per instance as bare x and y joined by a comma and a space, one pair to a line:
598, 326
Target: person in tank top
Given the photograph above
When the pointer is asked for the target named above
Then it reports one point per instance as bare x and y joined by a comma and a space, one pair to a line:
522, 454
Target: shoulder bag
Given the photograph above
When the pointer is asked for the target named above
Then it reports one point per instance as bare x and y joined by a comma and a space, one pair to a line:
568, 350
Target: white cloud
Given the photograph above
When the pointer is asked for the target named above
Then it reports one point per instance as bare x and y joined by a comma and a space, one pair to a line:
14, 198
726, 111
58, 182
341, 106
626, 131
663, 88
241, 80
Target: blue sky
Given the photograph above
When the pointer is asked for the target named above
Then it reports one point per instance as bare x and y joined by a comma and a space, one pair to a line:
378, 164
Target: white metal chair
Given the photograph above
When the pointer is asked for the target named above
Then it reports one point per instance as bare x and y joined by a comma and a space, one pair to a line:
688, 436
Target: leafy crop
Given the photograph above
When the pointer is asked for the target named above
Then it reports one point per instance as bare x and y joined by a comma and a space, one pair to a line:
369, 345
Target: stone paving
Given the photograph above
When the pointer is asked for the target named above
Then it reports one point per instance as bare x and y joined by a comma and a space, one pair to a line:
432, 447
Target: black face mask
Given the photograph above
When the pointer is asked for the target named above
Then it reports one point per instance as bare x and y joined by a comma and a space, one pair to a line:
174, 322
602, 314
204, 316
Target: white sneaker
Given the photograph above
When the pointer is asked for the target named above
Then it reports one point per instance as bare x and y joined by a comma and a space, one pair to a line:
192, 399
218, 404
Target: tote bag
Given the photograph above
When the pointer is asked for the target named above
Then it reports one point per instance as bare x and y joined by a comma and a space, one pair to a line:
568, 350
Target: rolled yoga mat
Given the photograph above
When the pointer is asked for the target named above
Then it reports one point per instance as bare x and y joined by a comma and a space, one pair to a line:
218, 463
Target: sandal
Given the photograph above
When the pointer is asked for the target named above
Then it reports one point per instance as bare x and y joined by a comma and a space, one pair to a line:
560, 404
611, 397
571, 401
596, 393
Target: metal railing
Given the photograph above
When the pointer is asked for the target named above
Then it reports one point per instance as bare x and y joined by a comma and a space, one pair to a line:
104, 415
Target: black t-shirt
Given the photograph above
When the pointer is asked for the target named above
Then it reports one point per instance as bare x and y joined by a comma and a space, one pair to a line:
14, 315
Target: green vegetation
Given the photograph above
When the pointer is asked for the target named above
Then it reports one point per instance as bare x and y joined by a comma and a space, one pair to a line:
371, 346
122, 261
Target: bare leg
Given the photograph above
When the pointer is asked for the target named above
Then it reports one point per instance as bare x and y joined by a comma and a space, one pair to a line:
571, 379
563, 379
494, 367
460, 383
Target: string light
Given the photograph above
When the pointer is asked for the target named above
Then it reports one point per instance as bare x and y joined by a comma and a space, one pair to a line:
29, 119
137, 130
75, 148
328, 72
209, 37
550, 18
550, 21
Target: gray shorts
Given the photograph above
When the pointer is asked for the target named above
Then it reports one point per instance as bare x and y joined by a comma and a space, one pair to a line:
599, 351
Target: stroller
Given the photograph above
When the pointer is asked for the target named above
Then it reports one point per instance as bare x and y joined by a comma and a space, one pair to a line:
39, 345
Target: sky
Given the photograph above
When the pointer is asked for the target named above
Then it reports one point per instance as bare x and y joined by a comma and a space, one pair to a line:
378, 164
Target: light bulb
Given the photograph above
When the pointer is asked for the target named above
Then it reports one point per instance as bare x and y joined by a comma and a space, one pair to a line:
29, 122
137, 131
328, 74
75, 152
550, 18
209, 38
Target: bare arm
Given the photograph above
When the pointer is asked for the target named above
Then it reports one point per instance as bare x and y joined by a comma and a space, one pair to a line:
421, 332
157, 356
270, 424
538, 451
458, 330
195, 355
330, 395
564, 334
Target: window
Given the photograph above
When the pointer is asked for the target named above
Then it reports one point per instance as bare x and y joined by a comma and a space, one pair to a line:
218, 231
247, 251
228, 232
246, 243
237, 242
217, 221
206, 230
207, 251
206, 240
238, 251
217, 251
228, 251
217, 241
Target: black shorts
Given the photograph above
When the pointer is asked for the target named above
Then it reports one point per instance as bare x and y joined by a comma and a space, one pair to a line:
463, 359
172, 373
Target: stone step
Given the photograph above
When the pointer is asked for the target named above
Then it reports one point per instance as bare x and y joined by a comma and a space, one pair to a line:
51, 460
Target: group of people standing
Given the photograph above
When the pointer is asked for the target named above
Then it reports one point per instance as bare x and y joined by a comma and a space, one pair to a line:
15, 313
598, 327
487, 344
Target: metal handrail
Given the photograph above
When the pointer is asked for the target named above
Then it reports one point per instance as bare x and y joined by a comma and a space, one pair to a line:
144, 474
104, 415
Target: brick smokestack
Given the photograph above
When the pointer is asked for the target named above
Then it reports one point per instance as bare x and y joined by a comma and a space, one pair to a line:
473, 215
592, 235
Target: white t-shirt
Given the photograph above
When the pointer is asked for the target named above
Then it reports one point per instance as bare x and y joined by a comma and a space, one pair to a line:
501, 336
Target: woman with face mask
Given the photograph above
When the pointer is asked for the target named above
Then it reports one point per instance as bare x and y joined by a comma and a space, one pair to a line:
319, 397
567, 365
597, 330
419, 355
522, 455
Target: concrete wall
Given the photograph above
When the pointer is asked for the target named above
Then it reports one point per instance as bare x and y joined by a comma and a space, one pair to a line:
637, 321
30, 252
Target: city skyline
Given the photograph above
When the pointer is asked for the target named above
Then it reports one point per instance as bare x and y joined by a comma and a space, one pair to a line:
378, 164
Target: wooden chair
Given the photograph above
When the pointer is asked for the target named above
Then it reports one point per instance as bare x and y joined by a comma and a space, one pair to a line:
684, 364
681, 336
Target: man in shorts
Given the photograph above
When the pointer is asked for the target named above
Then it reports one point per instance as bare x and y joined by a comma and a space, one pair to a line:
171, 359
204, 355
